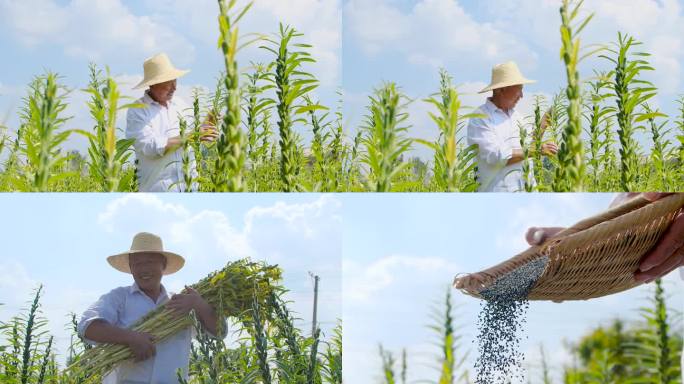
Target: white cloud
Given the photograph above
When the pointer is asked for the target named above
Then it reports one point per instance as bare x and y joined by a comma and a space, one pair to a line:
305, 236
363, 282
319, 20
96, 31
568, 209
659, 24
432, 33
137, 206
206, 225
296, 216
302, 234
14, 278
197, 234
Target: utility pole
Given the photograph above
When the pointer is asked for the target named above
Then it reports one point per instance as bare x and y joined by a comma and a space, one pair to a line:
315, 304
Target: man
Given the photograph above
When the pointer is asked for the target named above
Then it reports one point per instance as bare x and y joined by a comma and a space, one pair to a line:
497, 134
108, 319
156, 130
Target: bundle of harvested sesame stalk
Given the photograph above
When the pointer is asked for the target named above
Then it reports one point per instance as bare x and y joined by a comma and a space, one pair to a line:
231, 291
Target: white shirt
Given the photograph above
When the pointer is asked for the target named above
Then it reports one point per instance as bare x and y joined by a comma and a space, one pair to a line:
122, 307
151, 127
496, 135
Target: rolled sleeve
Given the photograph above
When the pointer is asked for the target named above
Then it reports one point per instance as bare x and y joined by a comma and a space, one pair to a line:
105, 309
147, 140
491, 150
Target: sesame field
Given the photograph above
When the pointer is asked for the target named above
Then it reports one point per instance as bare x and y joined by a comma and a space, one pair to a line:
276, 135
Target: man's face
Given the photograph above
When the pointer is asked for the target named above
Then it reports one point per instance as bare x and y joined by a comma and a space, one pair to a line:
163, 92
509, 96
147, 269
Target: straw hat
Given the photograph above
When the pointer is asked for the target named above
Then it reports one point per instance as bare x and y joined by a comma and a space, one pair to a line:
145, 242
158, 69
506, 75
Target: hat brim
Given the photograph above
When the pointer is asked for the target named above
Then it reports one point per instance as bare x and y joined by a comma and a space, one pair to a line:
174, 262
505, 84
171, 75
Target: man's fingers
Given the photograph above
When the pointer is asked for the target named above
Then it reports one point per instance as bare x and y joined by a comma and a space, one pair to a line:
146, 354
177, 308
653, 196
190, 290
662, 269
536, 236
671, 241
532, 236
475, 282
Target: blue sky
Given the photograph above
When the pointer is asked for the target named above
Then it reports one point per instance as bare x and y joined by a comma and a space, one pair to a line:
408, 41
62, 241
401, 253
63, 36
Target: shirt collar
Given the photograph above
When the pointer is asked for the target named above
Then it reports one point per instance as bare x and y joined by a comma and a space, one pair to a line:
490, 105
147, 99
134, 288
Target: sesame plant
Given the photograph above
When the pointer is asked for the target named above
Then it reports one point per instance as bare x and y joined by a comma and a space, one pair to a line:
570, 171
453, 162
107, 153
384, 137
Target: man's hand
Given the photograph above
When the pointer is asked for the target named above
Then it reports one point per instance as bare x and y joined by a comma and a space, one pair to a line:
549, 149
537, 236
208, 133
182, 303
665, 256
141, 344
668, 254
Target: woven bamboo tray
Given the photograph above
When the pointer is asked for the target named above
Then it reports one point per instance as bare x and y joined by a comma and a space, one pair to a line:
596, 257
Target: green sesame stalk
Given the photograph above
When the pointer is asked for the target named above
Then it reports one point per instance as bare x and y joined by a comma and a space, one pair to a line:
570, 172
231, 141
